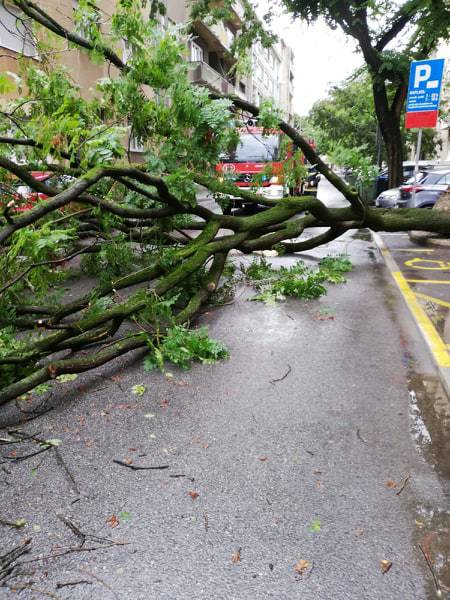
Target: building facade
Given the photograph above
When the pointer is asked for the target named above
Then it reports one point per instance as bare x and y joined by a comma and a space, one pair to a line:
208, 52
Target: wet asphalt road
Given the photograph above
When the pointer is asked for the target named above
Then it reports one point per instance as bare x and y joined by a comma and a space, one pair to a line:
284, 470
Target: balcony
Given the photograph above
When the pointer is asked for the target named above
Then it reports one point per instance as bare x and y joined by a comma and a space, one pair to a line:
202, 73
217, 36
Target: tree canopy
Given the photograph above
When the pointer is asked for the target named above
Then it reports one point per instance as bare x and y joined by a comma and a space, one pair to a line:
156, 254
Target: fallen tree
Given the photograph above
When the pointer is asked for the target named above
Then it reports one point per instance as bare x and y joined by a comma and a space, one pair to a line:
156, 254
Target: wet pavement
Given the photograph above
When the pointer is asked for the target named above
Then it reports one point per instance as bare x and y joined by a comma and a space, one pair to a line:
324, 439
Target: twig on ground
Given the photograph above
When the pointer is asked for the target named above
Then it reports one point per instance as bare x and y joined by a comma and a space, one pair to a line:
88, 536
138, 468
27, 586
430, 566
27, 456
192, 479
403, 484
358, 435
272, 381
70, 583
7, 560
100, 580
61, 462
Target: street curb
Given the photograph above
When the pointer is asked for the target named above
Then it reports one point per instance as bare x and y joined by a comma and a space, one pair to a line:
418, 315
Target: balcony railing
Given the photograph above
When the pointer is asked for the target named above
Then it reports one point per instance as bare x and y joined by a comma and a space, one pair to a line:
202, 73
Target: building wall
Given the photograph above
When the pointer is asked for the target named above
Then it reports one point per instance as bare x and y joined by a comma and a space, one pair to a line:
271, 76
444, 123
80, 67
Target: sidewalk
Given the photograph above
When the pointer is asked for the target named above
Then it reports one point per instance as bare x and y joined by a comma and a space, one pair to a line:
287, 472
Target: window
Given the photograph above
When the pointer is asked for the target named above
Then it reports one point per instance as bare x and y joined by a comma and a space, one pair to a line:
135, 145
127, 51
196, 52
15, 31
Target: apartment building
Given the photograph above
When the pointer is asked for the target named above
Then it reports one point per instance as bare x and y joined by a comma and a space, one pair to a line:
273, 76
208, 52
443, 126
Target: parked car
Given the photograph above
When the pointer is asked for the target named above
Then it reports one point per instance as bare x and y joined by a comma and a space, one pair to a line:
408, 171
426, 192
390, 198
428, 186
312, 179
25, 197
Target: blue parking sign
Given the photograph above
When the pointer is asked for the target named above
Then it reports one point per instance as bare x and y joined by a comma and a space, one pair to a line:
425, 82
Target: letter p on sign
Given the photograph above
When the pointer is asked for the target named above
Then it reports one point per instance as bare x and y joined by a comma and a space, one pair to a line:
423, 73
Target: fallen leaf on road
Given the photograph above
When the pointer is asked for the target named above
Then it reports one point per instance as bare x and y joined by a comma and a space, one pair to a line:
391, 483
125, 516
66, 377
138, 390
385, 566
317, 472
205, 446
236, 556
112, 521
193, 495
315, 526
164, 403
419, 524
263, 458
128, 461
359, 531
301, 566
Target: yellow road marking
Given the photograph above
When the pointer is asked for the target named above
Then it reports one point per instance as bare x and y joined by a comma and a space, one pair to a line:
440, 281
434, 300
443, 265
437, 346
413, 250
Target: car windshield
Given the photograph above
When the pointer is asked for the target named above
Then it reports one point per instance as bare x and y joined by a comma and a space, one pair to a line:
420, 177
433, 178
254, 147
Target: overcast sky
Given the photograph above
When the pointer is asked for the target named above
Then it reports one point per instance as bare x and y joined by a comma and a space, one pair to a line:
322, 57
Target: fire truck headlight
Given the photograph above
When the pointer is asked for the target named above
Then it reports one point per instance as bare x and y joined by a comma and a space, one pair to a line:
274, 179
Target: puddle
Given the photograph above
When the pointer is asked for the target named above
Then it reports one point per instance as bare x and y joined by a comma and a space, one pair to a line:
362, 234
429, 411
432, 537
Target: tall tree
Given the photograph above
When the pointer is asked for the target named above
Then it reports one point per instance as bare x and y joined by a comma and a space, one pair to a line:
389, 34
346, 119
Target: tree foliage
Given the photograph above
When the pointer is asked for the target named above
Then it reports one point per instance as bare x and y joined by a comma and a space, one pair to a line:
155, 253
345, 122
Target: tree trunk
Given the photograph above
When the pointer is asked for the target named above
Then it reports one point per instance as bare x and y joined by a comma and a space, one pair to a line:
389, 121
394, 150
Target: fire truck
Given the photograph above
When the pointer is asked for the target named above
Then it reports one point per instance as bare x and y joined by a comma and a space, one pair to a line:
257, 163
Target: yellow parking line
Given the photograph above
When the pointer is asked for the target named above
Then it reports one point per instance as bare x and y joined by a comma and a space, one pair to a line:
434, 300
437, 346
439, 281
414, 250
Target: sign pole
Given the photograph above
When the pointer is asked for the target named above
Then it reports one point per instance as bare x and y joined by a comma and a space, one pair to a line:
416, 166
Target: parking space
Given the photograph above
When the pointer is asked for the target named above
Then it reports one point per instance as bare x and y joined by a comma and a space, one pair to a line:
423, 276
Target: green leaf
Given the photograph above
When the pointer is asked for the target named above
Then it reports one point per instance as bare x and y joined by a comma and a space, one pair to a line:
53, 442
66, 377
138, 390
19, 523
125, 516
315, 526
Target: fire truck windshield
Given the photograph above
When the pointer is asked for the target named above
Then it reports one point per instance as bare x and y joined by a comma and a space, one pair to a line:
254, 147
